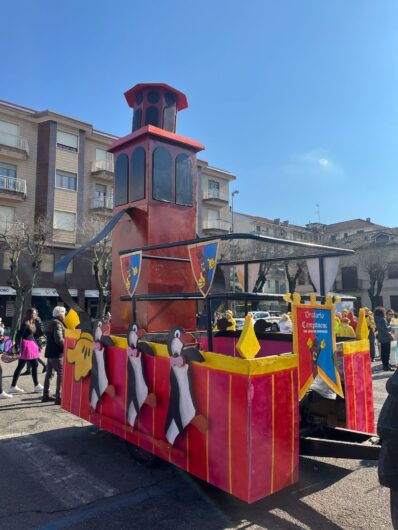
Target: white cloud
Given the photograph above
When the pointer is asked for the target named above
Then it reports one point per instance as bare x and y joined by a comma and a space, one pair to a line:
313, 163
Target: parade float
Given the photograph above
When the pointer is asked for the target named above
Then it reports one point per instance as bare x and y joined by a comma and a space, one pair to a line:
232, 408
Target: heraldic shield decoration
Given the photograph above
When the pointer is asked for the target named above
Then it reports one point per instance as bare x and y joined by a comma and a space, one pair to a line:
203, 258
131, 268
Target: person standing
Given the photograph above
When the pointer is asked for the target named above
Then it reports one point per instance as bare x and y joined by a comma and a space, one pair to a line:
3, 394
387, 429
55, 348
39, 333
384, 337
29, 353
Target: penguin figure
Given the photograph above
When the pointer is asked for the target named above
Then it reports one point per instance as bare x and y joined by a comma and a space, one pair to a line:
181, 407
137, 389
99, 383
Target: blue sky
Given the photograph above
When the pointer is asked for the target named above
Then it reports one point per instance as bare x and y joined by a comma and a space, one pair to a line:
297, 98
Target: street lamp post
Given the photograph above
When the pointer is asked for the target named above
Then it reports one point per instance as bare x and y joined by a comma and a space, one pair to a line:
235, 192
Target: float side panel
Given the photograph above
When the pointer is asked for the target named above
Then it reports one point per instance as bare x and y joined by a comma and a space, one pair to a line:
358, 386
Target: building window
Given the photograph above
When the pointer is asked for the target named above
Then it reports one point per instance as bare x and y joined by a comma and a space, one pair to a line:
65, 180
47, 263
152, 116
381, 239
100, 196
7, 215
8, 170
67, 141
9, 128
64, 221
137, 182
213, 188
121, 180
392, 271
394, 303
349, 277
69, 270
184, 180
137, 119
162, 175
258, 229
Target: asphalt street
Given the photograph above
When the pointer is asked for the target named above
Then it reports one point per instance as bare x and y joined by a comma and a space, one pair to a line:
57, 471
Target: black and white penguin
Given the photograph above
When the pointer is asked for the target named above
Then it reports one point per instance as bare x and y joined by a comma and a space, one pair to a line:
137, 389
99, 383
182, 350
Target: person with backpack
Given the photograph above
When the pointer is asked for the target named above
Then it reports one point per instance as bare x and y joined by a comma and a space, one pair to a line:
28, 353
55, 348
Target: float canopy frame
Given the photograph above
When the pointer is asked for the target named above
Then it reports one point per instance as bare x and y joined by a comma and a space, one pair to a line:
320, 252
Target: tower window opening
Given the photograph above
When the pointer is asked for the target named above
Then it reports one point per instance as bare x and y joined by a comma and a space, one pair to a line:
137, 119
137, 180
162, 175
184, 180
153, 96
152, 116
121, 180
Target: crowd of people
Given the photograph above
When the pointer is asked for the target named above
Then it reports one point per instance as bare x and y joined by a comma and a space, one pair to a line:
30, 342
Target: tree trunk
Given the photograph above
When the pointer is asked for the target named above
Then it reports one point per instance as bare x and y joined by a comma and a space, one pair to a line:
18, 308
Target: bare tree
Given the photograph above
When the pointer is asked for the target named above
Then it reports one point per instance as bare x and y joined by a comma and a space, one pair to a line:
293, 271
374, 262
23, 244
100, 259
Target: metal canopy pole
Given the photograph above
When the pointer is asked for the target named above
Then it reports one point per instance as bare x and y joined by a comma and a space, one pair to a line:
209, 325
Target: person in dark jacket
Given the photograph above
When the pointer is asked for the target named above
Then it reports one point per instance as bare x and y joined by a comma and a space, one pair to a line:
384, 337
55, 348
387, 429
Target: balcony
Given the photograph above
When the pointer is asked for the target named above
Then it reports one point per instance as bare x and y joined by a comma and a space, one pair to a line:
103, 169
215, 198
357, 285
14, 146
216, 226
102, 204
12, 188
11, 227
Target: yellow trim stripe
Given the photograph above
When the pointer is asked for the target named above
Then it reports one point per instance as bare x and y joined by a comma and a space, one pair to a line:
72, 333
207, 430
357, 346
355, 393
273, 436
364, 393
218, 361
230, 433
293, 418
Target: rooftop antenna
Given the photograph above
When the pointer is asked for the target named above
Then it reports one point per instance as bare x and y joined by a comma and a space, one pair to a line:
318, 212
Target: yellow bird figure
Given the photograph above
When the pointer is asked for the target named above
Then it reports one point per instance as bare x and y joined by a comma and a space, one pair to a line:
248, 345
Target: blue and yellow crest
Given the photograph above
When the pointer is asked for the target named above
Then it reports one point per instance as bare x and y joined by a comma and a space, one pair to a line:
203, 258
131, 268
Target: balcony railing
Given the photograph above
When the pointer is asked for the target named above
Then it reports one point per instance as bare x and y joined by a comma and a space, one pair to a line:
11, 227
17, 142
105, 203
216, 195
216, 224
102, 165
13, 185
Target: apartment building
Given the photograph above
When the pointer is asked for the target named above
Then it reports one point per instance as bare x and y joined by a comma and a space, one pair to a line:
58, 167
214, 212
374, 244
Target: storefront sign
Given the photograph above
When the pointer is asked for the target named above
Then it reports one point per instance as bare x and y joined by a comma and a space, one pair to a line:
7, 291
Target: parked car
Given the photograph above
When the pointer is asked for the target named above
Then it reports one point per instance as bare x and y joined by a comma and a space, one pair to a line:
269, 316
239, 323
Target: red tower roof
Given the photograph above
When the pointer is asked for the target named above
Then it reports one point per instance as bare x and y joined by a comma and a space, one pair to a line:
182, 102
